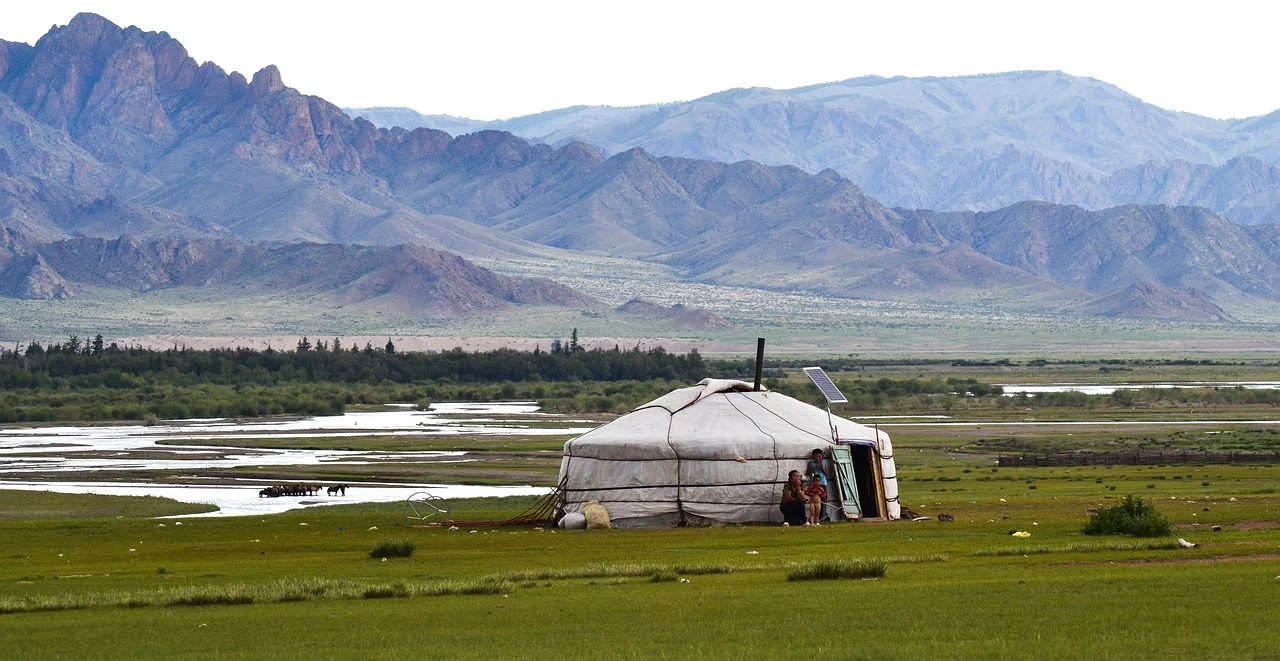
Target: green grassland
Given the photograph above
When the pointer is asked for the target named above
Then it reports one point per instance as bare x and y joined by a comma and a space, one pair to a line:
75, 580
276, 587
44, 505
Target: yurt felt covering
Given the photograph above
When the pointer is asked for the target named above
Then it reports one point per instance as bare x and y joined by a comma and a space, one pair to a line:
715, 453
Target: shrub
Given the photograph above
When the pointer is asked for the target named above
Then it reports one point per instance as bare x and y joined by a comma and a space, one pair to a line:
663, 576
393, 549
825, 570
1132, 516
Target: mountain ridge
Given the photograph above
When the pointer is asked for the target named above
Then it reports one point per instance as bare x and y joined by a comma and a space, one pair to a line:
925, 142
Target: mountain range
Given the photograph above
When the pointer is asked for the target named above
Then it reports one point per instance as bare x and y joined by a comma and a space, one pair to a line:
964, 143
124, 163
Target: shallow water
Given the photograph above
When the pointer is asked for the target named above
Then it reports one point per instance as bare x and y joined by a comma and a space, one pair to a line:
1108, 388
57, 449
136, 447
242, 500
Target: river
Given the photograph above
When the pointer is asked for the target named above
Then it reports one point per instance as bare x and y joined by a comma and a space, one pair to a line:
77, 450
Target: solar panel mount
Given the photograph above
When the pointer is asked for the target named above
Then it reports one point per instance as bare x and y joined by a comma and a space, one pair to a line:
826, 385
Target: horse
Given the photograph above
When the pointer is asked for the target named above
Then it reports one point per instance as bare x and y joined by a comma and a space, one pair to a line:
337, 489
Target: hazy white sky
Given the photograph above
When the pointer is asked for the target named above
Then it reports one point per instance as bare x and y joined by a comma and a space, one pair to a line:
490, 59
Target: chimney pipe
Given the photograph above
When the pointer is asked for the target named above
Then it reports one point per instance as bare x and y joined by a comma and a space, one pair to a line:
759, 361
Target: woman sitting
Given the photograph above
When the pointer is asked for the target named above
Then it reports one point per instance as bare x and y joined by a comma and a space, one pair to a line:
793, 500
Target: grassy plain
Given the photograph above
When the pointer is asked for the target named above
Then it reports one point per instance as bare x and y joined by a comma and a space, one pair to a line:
795, 323
47, 505
966, 589
76, 581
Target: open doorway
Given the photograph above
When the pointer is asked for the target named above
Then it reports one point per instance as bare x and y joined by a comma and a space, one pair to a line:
867, 479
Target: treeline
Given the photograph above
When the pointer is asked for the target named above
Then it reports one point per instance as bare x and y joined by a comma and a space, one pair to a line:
168, 402
94, 364
1147, 397
94, 380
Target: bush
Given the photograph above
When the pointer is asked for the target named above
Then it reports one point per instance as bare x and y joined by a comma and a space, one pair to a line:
1133, 516
663, 576
393, 549
824, 570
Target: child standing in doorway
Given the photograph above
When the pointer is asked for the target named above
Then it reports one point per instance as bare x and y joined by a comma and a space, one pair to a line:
817, 491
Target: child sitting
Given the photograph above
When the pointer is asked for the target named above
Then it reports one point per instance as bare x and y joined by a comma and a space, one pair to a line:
817, 489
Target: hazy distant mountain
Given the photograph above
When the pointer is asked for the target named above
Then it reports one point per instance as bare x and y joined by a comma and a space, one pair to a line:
407, 279
964, 143
389, 118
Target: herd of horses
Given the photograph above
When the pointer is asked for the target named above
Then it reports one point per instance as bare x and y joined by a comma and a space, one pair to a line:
302, 490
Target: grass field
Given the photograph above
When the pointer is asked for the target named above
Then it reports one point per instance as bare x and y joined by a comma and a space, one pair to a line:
278, 588
47, 505
76, 580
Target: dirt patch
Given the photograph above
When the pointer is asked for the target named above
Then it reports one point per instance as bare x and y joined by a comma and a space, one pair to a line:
1261, 524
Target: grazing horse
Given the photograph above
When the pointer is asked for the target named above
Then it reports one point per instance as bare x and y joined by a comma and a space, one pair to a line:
291, 490
337, 489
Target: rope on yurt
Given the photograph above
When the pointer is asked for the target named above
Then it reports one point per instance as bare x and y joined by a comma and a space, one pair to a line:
538, 514
776, 415
679, 503
777, 463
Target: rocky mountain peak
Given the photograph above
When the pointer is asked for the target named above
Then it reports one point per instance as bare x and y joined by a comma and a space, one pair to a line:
266, 81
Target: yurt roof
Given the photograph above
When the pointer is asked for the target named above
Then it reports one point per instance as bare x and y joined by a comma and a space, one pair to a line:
720, 416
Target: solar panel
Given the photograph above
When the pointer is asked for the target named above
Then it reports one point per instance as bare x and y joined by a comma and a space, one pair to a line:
824, 383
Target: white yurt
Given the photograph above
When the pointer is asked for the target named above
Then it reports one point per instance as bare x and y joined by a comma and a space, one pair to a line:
719, 453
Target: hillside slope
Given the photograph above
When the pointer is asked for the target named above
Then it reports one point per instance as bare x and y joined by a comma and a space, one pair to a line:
406, 279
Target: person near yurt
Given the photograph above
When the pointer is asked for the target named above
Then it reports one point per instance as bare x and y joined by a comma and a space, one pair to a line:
719, 453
